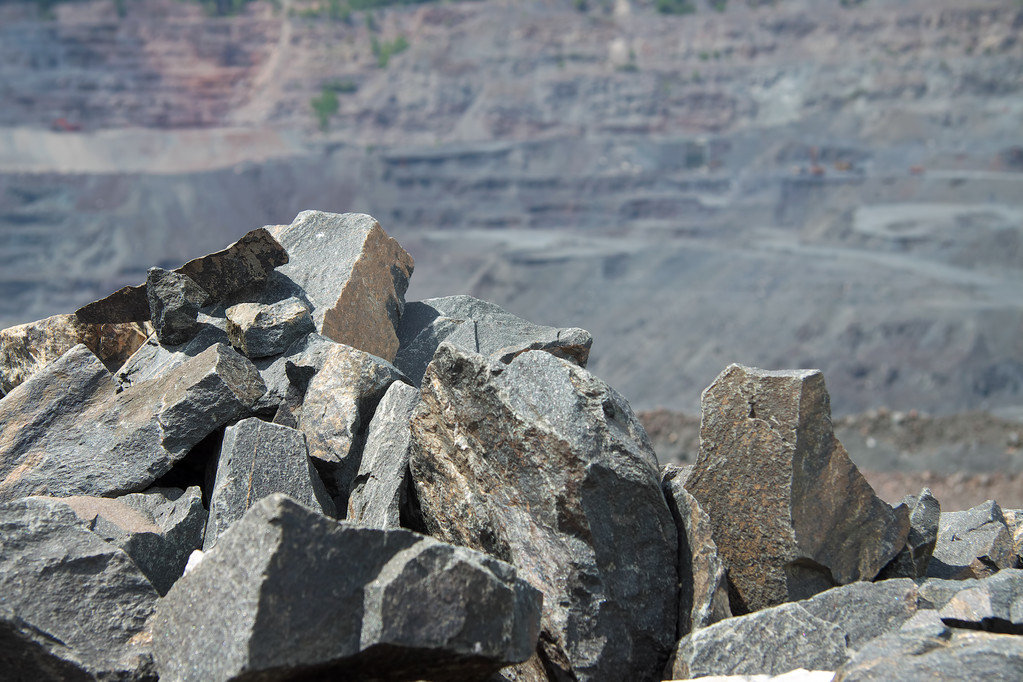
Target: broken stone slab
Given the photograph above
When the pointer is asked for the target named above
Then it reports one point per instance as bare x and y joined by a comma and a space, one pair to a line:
257, 459
972, 544
158, 529
480, 327
77, 601
994, 604
866, 610
153, 360
352, 275
290, 594
916, 656
336, 410
174, 302
769, 642
27, 348
792, 515
242, 266
912, 561
259, 330
703, 589
380, 496
545, 466
68, 431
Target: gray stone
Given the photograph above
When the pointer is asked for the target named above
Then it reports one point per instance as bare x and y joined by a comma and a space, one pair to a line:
379, 497
480, 327
242, 266
912, 561
68, 431
336, 410
972, 544
545, 466
926, 621
768, 642
703, 585
27, 348
290, 594
75, 597
28, 654
866, 610
994, 604
257, 459
158, 529
792, 515
174, 302
258, 330
352, 275
936, 592
153, 360
916, 656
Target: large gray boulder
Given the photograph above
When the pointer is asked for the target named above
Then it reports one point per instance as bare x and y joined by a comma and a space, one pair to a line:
380, 495
480, 327
792, 515
352, 275
994, 604
545, 466
70, 600
336, 410
865, 610
768, 642
972, 544
158, 529
912, 561
69, 431
174, 302
703, 585
257, 459
290, 594
259, 330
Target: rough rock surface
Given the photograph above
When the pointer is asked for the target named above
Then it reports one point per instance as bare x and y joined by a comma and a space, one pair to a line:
792, 515
336, 410
351, 273
258, 330
768, 642
158, 529
912, 561
865, 610
27, 348
543, 465
68, 431
287, 593
243, 265
174, 302
152, 360
379, 497
480, 327
994, 604
257, 459
80, 599
703, 586
972, 544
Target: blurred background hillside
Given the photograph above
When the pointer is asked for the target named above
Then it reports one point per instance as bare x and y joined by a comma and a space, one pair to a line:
799, 183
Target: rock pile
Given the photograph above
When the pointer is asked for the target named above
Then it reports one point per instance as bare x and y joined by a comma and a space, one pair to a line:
266, 466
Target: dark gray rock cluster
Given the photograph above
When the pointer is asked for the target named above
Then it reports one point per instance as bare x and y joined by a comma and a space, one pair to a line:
299, 476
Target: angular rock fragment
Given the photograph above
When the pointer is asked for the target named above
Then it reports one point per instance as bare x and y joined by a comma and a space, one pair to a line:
703, 594
543, 465
258, 330
915, 656
380, 493
914, 558
768, 642
68, 431
158, 529
480, 327
174, 302
28, 653
351, 273
289, 594
994, 604
244, 265
27, 348
71, 600
866, 610
153, 360
792, 515
972, 544
336, 410
256, 460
